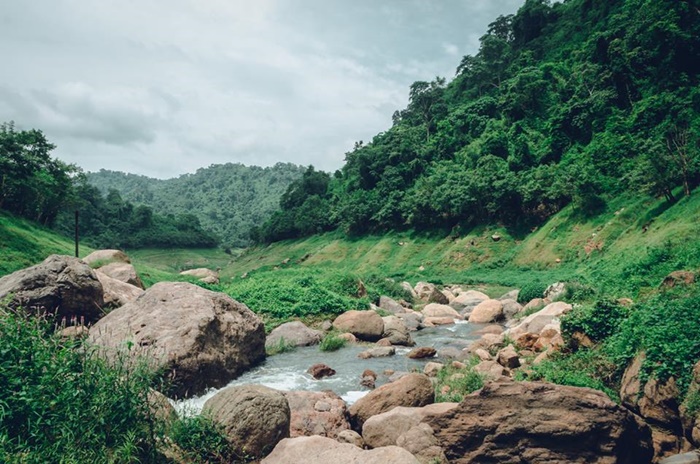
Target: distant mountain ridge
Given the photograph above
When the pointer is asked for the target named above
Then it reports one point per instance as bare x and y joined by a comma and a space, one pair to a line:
229, 199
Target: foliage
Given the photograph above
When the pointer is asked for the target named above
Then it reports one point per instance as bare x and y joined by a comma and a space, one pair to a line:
599, 320
453, 384
530, 291
331, 342
282, 346
61, 402
203, 441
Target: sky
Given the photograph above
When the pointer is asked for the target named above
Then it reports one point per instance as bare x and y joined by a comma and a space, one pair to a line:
164, 87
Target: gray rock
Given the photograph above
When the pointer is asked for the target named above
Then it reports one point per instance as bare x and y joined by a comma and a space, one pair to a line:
124, 272
396, 331
390, 305
293, 333
378, 352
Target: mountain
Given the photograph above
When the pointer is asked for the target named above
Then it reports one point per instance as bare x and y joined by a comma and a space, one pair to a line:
228, 199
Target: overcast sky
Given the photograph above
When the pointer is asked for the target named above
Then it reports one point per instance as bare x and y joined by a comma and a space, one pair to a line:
163, 87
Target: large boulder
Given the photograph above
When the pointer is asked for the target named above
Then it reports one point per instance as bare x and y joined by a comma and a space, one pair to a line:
61, 285
255, 418
541, 423
440, 310
409, 390
385, 429
534, 323
487, 311
203, 274
200, 338
466, 301
365, 325
116, 292
99, 258
396, 331
322, 450
293, 333
430, 294
316, 413
124, 272
390, 305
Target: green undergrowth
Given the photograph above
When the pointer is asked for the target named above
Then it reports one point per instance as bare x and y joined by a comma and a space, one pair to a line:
331, 342
203, 441
453, 384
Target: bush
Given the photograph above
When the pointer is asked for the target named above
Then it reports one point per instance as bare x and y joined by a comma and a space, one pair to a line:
599, 321
282, 346
61, 402
332, 342
203, 441
530, 291
461, 382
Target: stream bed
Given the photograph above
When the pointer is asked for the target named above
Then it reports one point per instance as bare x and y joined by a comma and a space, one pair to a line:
287, 371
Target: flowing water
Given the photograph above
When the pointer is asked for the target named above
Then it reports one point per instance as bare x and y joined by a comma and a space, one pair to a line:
287, 371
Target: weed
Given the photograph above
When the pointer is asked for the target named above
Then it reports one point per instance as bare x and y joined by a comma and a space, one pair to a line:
453, 384
332, 342
282, 346
204, 441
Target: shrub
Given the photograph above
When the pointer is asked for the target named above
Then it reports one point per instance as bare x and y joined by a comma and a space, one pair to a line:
460, 382
61, 402
203, 441
530, 291
332, 342
282, 346
599, 321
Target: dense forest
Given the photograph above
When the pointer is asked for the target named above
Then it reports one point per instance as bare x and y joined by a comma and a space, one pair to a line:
228, 199
35, 186
565, 103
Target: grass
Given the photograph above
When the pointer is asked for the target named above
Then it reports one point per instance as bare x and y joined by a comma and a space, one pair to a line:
282, 346
454, 384
331, 342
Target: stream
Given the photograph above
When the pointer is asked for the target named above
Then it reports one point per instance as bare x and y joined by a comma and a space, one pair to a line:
287, 371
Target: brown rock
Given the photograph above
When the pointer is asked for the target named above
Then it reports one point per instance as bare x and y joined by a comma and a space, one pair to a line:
322, 450
116, 292
396, 331
377, 352
255, 418
319, 371
422, 352
385, 429
420, 441
383, 342
430, 294
466, 301
348, 337
491, 370
352, 437
431, 369
293, 333
487, 311
124, 272
199, 338
409, 390
390, 305
61, 285
508, 357
440, 310
365, 325
534, 323
203, 274
101, 257
433, 321
316, 413
541, 422
678, 278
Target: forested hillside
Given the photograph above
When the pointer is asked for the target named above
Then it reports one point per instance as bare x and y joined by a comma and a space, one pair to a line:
570, 102
227, 199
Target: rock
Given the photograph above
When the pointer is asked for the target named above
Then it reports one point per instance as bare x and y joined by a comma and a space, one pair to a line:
124, 272
678, 278
420, 441
491, 370
409, 289
433, 321
390, 305
351, 437
482, 354
448, 294
365, 325
199, 338
255, 418
449, 353
377, 352
160, 407
690, 418
487, 311
319, 371
383, 342
422, 352
348, 337
550, 337
322, 450
396, 331
496, 237
412, 320
511, 308
692, 457
535, 303
440, 310
468, 300
431, 369
430, 294
293, 333
368, 379
409, 390
534, 323
116, 292
99, 258
73, 332
203, 274
511, 295
385, 429
508, 357
60, 285
494, 329
541, 422
488, 342
555, 292
316, 413
326, 326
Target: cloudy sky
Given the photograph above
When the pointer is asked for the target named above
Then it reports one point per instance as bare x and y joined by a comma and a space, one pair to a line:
163, 87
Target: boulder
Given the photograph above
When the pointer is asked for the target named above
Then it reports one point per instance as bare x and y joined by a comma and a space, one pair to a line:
348, 337
690, 417
433, 321
511, 295
540, 422
409, 289
255, 418
488, 342
293, 333
377, 352
420, 441
99, 258
430, 294
466, 301
409, 390
440, 310
490, 370
203, 274
422, 352
385, 429
555, 291
508, 357
116, 292
322, 450
352, 437
431, 369
319, 371
160, 407
487, 311
396, 331
411, 319
60, 285
368, 379
534, 323
390, 305
511, 308
124, 272
365, 325
200, 339
316, 413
